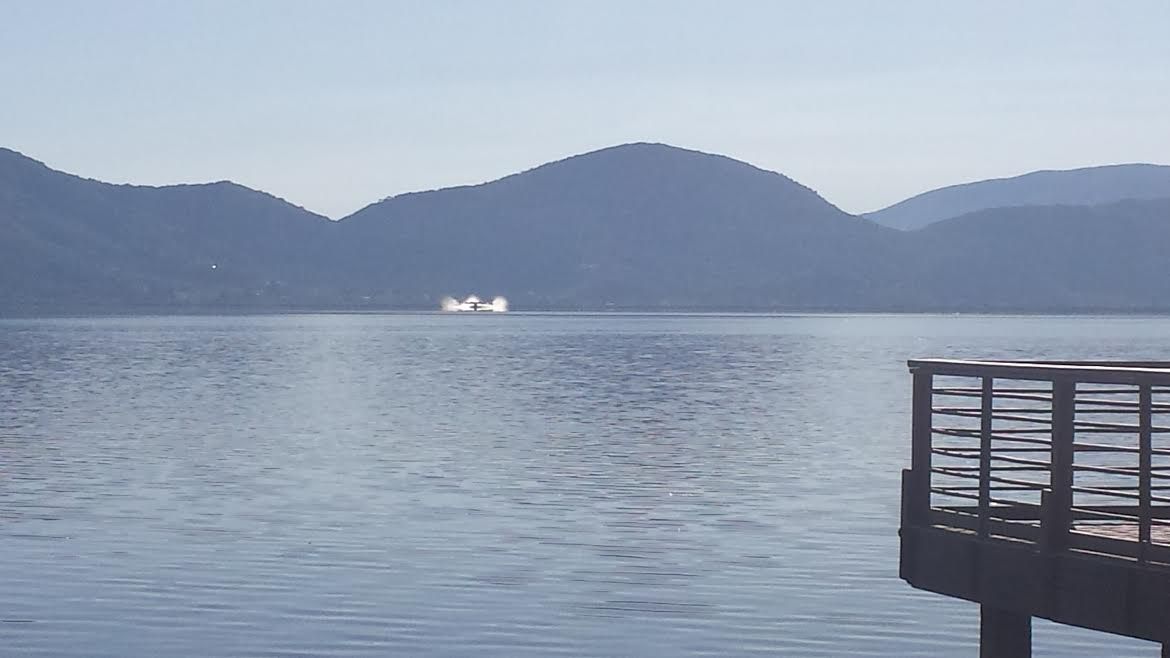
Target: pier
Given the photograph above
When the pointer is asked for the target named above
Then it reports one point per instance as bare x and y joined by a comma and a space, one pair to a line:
1042, 489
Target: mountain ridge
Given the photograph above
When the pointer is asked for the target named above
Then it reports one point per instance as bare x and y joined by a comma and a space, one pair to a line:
1094, 185
633, 212
13, 155
570, 160
642, 225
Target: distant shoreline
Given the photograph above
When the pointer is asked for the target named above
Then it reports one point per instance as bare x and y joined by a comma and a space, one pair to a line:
138, 311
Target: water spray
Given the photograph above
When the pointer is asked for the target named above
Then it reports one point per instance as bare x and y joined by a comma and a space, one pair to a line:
472, 303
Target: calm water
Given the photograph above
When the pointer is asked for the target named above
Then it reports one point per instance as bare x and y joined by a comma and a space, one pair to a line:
490, 485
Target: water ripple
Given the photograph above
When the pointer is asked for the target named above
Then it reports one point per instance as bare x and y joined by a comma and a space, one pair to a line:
503, 486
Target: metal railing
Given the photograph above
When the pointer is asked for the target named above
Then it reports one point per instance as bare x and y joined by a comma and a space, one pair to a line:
1066, 455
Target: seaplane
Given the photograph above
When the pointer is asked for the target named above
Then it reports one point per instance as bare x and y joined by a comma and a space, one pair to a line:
475, 304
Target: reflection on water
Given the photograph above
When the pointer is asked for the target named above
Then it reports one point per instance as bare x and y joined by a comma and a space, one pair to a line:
497, 485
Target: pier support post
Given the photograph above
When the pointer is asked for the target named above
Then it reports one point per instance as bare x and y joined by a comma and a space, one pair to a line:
1004, 634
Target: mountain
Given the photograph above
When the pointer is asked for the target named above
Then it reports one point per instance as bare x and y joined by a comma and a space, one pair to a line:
79, 243
1109, 257
638, 225
1088, 186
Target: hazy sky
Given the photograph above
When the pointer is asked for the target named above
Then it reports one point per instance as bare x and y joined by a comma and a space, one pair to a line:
333, 105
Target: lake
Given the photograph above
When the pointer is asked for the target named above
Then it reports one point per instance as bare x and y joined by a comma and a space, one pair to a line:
499, 485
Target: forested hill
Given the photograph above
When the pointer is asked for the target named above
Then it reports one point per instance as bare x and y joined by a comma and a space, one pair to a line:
637, 226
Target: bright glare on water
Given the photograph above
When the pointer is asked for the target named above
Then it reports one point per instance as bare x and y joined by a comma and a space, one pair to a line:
502, 485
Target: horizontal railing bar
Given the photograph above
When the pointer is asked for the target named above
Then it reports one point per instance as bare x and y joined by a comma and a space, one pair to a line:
1087, 541
1080, 539
1127, 431
1039, 371
1127, 404
1076, 488
1160, 514
976, 412
998, 455
999, 489
1041, 439
1116, 411
1039, 395
995, 527
955, 487
1018, 485
1105, 411
1013, 447
1096, 491
1120, 471
1157, 429
1042, 394
1015, 513
951, 519
1022, 483
976, 469
1040, 465
1022, 437
1000, 392
1020, 419
942, 470
999, 505
954, 494
973, 453
1081, 446
1024, 445
1126, 487
1112, 470
1007, 434
1090, 514
1135, 363
1090, 542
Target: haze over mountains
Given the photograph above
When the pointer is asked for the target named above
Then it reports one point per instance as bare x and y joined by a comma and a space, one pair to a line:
1073, 187
638, 226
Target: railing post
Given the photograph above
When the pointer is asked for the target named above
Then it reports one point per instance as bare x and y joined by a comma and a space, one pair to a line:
1145, 466
985, 418
921, 435
1056, 505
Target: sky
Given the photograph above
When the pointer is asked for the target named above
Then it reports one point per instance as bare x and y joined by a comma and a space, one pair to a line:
335, 105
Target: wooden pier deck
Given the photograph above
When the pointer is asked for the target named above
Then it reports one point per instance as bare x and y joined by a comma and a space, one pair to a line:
1042, 489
